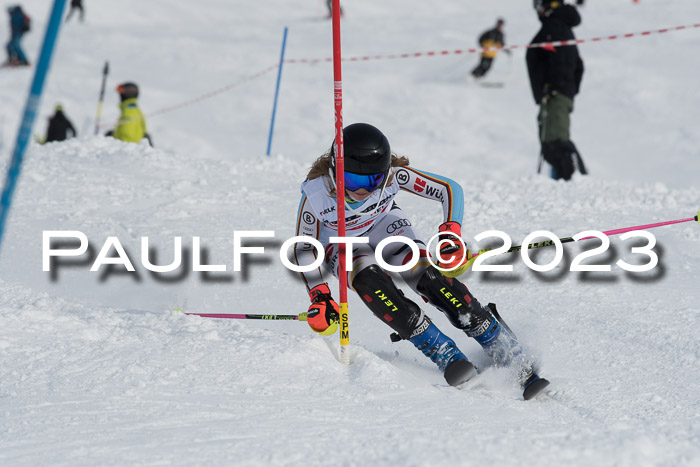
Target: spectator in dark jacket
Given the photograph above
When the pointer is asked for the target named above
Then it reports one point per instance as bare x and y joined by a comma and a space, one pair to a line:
494, 40
555, 78
59, 127
19, 24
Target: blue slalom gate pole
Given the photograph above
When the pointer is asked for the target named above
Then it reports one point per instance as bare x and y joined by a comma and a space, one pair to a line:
277, 91
30, 109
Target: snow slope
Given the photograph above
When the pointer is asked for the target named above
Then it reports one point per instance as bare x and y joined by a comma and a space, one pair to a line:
96, 368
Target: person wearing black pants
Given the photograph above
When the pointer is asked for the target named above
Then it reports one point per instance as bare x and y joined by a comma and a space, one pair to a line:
555, 79
76, 5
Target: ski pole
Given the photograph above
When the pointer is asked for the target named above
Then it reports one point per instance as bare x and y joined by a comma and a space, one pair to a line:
607, 232
105, 72
463, 268
299, 317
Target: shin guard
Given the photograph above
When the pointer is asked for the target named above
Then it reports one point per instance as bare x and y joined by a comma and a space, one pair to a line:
454, 299
387, 302
465, 312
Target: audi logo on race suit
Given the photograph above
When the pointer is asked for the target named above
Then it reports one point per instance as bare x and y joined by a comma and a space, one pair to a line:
396, 225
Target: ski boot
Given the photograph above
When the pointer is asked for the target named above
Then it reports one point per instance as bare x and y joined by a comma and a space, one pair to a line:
484, 324
444, 353
505, 350
389, 304
500, 343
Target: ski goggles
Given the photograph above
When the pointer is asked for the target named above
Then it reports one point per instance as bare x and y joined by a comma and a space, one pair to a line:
354, 182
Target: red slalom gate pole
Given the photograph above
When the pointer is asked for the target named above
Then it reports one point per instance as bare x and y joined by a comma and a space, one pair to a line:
340, 184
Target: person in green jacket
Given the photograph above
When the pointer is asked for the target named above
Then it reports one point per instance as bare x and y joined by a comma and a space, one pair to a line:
132, 124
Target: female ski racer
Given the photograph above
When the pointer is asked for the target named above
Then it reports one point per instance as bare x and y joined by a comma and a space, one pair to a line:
373, 177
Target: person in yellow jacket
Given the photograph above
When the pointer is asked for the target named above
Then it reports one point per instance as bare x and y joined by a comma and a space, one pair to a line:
132, 124
494, 40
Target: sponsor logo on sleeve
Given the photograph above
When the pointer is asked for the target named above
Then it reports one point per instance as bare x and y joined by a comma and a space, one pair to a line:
419, 186
309, 218
434, 192
402, 176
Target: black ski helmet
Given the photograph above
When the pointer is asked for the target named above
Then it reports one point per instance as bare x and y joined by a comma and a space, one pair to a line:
366, 150
128, 90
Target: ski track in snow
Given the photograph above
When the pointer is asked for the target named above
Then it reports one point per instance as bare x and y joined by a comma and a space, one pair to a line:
97, 368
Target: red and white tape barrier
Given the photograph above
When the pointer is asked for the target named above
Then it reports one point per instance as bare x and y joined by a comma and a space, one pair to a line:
541, 45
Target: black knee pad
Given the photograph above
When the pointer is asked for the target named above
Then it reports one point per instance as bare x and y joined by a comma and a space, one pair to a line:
387, 302
454, 299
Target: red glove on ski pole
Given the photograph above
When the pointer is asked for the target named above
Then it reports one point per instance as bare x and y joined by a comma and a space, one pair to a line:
452, 249
323, 314
454, 252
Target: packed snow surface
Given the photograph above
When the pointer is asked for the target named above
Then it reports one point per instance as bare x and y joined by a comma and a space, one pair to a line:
98, 368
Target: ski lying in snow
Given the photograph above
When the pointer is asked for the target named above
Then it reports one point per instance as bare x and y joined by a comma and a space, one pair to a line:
299, 317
